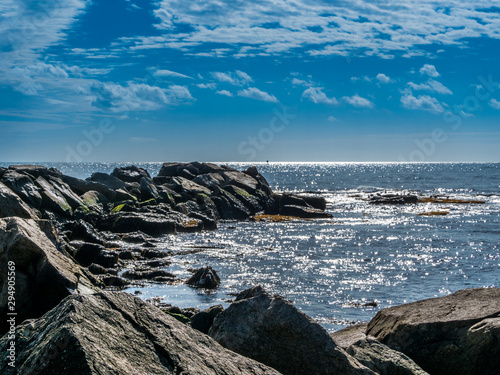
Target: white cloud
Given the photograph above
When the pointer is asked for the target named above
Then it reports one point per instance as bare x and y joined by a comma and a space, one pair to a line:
423, 102
225, 93
316, 95
135, 97
255, 93
207, 86
237, 78
388, 27
494, 104
358, 101
382, 78
331, 119
429, 70
169, 73
431, 85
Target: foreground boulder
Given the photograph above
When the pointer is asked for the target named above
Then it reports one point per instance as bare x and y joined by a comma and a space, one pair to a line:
44, 275
456, 334
12, 205
271, 330
373, 354
116, 333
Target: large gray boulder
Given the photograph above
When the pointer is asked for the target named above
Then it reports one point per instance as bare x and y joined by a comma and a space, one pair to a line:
52, 199
110, 181
116, 333
456, 334
23, 186
271, 330
373, 354
44, 275
12, 205
130, 173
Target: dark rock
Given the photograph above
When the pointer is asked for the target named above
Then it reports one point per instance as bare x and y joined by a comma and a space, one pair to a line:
373, 354
82, 186
83, 231
290, 200
154, 254
68, 194
130, 173
110, 181
315, 201
114, 281
97, 269
2, 171
12, 205
136, 237
205, 168
250, 293
204, 319
272, 331
151, 224
241, 180
229, 207
34, 171
248, 200
123, 195
393, 199
210, 180
148, 189
304, 212
252, 171
90, 253
44, 276
95, 201
157, 263
187, 174
126, 255
456, 334
170, 169
205, 277
23, 186
148, 274
183, 185
117, 333
53, 199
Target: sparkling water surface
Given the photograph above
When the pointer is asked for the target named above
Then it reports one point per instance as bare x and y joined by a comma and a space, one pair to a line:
366, 253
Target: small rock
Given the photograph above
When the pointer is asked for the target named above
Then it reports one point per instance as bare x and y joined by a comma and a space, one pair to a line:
205, 277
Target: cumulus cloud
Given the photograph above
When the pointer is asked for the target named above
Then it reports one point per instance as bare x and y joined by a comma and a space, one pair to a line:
382, 78
316, 95
431, 85
237, 78
255, 93
224, 93
422, 102
358, 101
135, 97
494, 104
429, 70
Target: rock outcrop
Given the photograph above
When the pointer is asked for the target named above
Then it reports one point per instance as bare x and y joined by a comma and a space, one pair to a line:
271, 330
44, 275
205, 277
116, 333
456, 334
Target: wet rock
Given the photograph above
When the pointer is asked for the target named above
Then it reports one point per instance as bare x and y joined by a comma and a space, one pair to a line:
90, 253
148, 275
151, 224
130, 173
170, 169
97, 269
204, 319
455, 334
2, 171
33, 171
68, 194
248, 200
116, 333
53, 199
205, 277
304, 212
12, 205
373, 354
83, 231
183, 185
290, 200
24, 187
187, 174
110, 181
95, 201
126, 255
44, 276
272, 331
123, 195
314, 201
393, 199
154, 254
229, 207
114, 281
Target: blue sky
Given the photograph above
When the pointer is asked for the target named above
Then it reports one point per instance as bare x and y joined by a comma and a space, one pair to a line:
296, 80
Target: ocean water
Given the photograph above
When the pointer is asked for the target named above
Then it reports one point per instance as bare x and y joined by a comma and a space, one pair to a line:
367, 253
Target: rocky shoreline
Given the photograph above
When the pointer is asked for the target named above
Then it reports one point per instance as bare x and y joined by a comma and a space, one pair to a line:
75, 243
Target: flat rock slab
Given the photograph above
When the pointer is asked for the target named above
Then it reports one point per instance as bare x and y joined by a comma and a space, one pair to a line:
116, 333
456, 334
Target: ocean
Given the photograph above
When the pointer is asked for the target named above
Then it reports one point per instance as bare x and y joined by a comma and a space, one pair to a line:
343, 270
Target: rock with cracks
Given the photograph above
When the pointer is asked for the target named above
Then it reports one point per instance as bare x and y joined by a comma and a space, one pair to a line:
271, 330
116, 333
